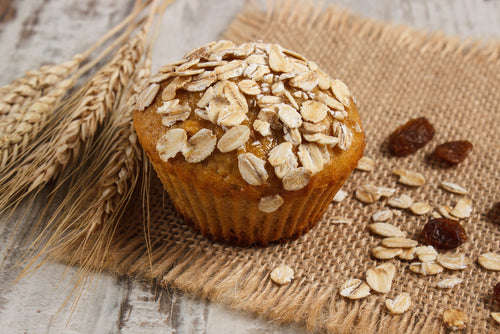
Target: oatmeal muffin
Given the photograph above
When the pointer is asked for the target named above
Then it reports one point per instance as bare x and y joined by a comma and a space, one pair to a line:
251, 142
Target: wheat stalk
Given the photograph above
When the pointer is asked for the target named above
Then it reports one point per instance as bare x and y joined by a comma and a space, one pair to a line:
28, 102
72, 134
31, 85
118, 176
100, 190
23, 128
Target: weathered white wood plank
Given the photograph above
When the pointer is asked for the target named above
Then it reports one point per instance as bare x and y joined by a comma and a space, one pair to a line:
54, 30
35, 305
148, 308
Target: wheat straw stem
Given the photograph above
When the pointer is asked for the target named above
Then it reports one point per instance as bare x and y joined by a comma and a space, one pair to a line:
67, 140
22, 130
119, 148
100, 100
25, 89
138, 8
28, 111
118, 177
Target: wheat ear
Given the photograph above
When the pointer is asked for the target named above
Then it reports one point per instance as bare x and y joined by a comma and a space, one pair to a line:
23, 123
76, 130
22, 128
101, 189
23, 90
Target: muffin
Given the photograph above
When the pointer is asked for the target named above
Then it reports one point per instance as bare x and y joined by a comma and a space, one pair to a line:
251, 142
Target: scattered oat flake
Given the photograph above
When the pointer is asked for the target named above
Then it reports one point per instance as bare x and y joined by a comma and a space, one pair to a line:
369, 193
305, 81
252, 169
340, 196
355, 289
147, 96
310, 156
366, 164
455, 319
454, 188
344, 134
235, 137
297, 179
270, 203
321, 139
278, 89
282, 274
410, 178
407, 254
399, 242
385, 253
171, 143
495, 316
340, 220
340, 90
426, 253
462, 209
262, 127
490, 261
277, 60
289, 115
397, 213
380, 191
280, 154
249, 87
199, 146
330, 102
401, 202
435, 214
426, 268
380, 278
365, 196
449, 283
445, 210
386, 230
313, 111
400, 304
453, 261
382, 216
420, 208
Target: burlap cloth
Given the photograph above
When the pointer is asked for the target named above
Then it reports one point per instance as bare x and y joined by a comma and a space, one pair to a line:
395, 73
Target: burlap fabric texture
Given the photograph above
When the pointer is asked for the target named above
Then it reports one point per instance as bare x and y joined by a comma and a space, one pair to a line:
395, 73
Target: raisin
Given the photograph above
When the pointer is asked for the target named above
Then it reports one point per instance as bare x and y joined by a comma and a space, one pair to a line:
496, 293
495, 213
443, 233
454, 152
411, 136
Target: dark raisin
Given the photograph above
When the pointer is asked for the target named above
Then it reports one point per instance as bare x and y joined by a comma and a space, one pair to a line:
443, 233
496, 293
454, 152
493, 214
411, 136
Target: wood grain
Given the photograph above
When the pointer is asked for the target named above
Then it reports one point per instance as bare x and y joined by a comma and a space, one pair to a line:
33, 33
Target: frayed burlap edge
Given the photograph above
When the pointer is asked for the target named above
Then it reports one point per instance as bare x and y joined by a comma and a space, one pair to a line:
253, 24
244, 285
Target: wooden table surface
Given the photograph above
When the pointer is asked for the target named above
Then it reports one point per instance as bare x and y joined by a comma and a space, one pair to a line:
37, 32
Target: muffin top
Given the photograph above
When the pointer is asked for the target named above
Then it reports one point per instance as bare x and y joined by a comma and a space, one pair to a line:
256, 115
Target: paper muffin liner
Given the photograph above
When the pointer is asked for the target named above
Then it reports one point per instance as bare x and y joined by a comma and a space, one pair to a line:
240, 222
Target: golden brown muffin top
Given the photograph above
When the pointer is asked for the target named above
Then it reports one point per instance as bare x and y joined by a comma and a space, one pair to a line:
269, 108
